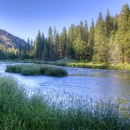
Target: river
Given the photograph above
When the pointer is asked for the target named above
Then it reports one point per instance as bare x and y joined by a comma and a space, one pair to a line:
80, 82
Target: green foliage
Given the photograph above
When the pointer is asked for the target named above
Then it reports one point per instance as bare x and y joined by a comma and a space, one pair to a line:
11, 56
91, 39
63, 43
38, 46
81, 49
100, 42
18, 111
122, 33
30, 70
36, 70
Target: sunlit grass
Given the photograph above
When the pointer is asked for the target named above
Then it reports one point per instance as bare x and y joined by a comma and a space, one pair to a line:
82, 64
40, 112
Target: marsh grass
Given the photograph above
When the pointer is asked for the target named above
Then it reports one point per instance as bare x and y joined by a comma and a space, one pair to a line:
92, 65
81, 64
36, 70
20, 112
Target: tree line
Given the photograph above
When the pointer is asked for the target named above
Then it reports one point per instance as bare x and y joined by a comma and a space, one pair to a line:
107, 40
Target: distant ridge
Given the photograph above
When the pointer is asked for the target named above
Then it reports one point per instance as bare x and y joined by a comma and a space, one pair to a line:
10, 40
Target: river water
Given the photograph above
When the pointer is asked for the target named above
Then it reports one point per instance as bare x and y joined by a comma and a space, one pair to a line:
80, 82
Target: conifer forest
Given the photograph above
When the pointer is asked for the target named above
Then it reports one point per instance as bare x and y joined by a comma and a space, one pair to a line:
106, 40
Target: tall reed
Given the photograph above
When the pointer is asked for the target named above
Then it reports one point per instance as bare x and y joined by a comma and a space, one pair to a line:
20, 112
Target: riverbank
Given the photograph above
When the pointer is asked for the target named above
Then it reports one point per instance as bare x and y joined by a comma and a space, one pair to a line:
18, 111
79, 64
92, 65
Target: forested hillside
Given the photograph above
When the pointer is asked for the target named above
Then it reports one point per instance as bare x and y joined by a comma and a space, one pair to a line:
106, 40
10, 45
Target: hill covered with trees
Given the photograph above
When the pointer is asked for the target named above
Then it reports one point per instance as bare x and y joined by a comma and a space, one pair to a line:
107, 40
10, 45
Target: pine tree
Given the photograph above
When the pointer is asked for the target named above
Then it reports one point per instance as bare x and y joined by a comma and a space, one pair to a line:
63, 42
28, 46
127, 43
31, 53
57, 46
42, 43
37, 49
20, 50
55, 56
108, 24
91, 39
71, 38
81, 49
85, 32
100, 46
45, 53
122, 31
81, 30
50, 41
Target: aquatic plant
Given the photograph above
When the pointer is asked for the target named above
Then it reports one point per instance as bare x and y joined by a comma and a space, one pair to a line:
36, 70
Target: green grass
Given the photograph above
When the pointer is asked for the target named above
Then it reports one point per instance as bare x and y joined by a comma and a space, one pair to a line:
20, 112
119, 66
36, 70
82, 64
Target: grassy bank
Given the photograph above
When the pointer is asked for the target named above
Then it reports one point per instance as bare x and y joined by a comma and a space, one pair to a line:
92, 65
18, 112
80, 64
36, 70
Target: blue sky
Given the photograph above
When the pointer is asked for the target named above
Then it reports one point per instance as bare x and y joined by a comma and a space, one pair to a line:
23, 18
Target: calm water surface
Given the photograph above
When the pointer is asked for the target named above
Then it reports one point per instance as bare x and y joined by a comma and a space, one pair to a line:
81, 82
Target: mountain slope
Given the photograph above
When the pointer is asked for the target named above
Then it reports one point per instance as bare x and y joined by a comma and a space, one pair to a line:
10, 40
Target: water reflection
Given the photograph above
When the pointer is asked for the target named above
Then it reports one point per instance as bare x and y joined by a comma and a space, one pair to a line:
97, 84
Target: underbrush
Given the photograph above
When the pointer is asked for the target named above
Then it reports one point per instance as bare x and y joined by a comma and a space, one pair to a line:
36, 70
20, 112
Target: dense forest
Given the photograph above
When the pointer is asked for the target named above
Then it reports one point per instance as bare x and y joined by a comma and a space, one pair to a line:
107, 40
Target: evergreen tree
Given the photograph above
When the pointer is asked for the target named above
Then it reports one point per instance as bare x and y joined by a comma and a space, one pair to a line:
28, 46
57, 46
50, 41
42, 43
71, 38
115, 26
100, 44
55, 56
37, 46
20, 50
81, 49
91, 39
108, 24
31, 53
122, 31
24, 50
127, 43
63, 42
44, 53
81, 30
85, 32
